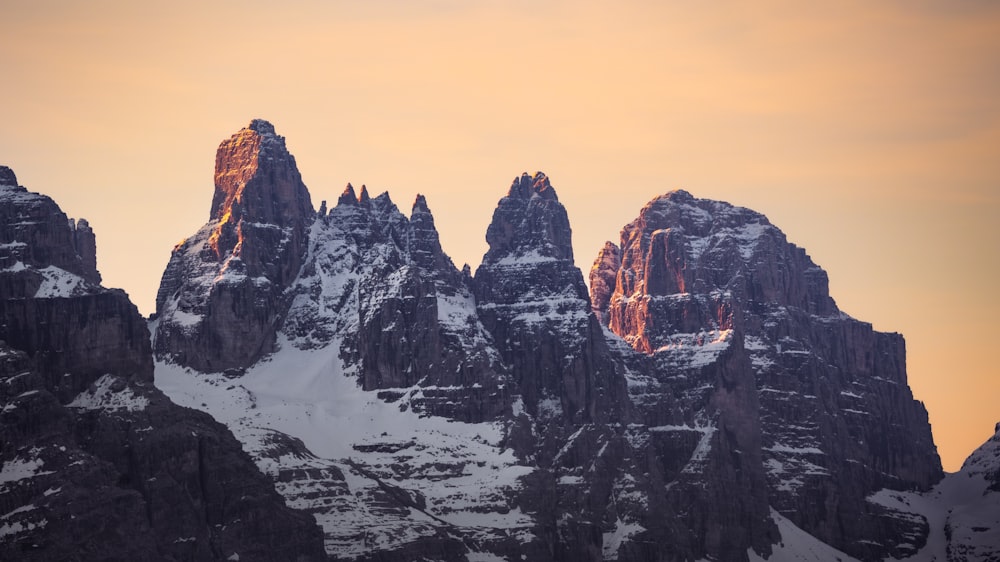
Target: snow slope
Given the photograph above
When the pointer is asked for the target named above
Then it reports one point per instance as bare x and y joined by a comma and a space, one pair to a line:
459, 472
963, 512
798, 546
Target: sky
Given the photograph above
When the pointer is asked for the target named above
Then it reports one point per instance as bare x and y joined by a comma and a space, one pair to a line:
868, 131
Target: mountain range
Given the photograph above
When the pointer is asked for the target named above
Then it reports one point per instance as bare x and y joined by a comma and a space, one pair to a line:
328, 385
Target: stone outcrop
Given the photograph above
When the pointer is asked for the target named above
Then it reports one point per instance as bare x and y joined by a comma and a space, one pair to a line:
95, 462
221, 297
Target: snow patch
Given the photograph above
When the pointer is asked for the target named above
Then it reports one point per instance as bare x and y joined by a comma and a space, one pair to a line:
103, 395
798, 546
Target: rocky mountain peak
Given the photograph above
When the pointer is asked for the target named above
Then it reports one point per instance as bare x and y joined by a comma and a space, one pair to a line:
220, 295
703, 286
527, 186
7, 176
364, 198
985, 461
682, 245
530, 220
420, 205
532, 298
256, 178
348, 197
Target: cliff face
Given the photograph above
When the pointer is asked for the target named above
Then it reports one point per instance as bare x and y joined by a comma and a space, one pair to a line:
220, 300
95, 462
826, 394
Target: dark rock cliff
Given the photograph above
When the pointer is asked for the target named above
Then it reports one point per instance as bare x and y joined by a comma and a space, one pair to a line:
95, 463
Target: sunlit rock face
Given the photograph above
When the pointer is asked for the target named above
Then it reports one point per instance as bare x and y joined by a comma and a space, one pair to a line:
95, 462
699, 280
220, 298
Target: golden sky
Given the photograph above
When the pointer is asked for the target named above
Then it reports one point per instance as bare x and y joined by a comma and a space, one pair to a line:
869, 131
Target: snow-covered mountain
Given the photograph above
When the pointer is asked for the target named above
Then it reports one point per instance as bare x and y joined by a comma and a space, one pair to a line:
704, 400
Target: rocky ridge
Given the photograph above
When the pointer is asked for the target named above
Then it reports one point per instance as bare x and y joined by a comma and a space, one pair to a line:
95, 462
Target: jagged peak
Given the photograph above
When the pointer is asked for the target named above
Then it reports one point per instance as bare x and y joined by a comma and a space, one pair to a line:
420, 205
526, 186
7, 176
364, 198
256, 158
348, 197
530, 220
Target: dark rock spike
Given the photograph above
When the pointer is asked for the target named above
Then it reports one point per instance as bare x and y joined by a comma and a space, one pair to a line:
348, 197
7, 176
530, 219
85, 243
364, 198
420, 205
603, 279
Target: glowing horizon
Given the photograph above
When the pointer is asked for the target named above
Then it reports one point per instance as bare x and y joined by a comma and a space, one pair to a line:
867, 132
